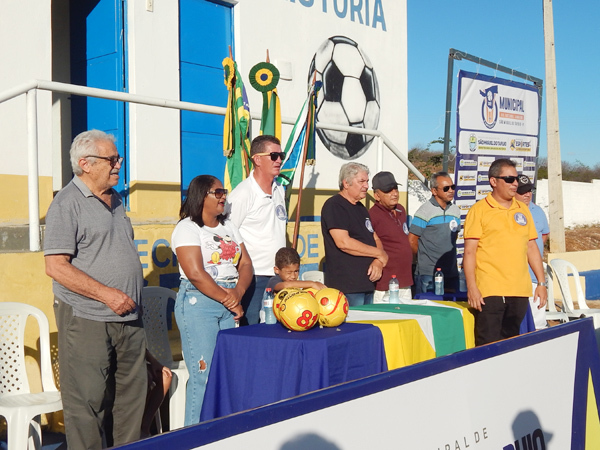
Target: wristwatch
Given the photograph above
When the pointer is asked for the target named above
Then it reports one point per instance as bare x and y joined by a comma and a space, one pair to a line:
543, 284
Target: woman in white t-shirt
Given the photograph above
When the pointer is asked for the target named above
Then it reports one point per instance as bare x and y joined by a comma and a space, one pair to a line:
215, 272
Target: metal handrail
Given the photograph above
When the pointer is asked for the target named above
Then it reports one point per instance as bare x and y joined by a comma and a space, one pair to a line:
30, 89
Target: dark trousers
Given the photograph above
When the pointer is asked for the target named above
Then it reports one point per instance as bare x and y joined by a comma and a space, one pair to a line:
103, 379
500, 318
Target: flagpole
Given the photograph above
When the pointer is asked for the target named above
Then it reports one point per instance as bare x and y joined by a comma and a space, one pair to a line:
304, 153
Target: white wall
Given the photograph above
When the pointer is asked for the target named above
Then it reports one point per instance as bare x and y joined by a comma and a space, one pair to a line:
154, 71
25, 54
577, 200
292, 31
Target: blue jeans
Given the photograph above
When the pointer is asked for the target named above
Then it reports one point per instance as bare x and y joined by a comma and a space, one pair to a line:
199, 319
252, 299
423, 283
360, 298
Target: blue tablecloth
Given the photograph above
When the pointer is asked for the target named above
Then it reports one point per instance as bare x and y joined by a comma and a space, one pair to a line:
260, 364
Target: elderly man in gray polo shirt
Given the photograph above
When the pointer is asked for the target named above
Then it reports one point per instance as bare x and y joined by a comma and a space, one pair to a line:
90, 255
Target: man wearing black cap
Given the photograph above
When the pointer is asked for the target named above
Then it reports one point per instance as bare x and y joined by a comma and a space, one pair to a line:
388, 218
524, 194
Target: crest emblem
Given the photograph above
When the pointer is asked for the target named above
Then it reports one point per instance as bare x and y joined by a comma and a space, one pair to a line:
489, 107
521, 219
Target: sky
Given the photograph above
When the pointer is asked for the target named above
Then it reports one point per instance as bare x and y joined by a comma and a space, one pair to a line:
509, 33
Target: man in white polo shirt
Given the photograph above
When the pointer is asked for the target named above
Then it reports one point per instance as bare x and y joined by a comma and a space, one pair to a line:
257, 207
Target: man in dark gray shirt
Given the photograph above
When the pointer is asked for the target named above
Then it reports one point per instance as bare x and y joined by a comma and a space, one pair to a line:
90, 255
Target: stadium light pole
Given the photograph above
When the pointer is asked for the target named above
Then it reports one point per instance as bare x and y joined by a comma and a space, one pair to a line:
555, 194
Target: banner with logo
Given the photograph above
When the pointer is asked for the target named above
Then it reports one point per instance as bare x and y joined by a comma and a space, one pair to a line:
496, 118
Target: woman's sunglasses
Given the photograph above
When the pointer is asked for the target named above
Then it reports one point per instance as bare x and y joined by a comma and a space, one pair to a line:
218, 193
274, 155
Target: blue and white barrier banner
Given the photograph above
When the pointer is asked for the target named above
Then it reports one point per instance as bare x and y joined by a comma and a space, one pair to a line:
496, 118
535, 391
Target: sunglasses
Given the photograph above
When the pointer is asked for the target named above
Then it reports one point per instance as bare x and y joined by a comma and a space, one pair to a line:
509, 179
447, 188
218, 193
113, 160
273, 155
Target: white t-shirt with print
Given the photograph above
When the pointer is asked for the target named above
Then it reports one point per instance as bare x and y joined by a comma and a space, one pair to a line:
220, 246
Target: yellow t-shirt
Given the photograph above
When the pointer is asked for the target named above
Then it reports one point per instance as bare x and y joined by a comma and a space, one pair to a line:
501, 258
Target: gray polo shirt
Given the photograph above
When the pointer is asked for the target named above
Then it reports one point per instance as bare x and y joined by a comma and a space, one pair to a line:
437, 229
100, 242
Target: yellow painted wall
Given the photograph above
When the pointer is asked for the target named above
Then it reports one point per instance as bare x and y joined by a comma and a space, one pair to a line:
153, 201
14, 200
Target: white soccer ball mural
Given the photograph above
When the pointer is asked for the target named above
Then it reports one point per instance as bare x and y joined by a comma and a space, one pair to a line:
349, 96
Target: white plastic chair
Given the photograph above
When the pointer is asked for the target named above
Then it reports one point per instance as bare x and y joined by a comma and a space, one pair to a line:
313, 275
553, 313
20, 407
561, 269
155, 301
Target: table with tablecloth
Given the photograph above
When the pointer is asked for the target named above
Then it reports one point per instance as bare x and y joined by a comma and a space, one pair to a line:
527, 325
408, 339
261, 364
448, 330
418, 330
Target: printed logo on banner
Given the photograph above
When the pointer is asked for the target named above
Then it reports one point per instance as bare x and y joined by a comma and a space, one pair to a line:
465, 193
489, 106
483, 178
468, 163
466, 177
485, 163
472, 142
482, 192
529, 165
531, 441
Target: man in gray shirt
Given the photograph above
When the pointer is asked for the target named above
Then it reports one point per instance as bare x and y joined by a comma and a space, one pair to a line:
90, 255
433, 234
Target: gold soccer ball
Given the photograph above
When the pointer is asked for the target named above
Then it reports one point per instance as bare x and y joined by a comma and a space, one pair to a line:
312, 291
333, 307
279, 298
299, 311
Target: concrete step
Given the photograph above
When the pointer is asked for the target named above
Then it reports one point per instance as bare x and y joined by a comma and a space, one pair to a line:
15, 238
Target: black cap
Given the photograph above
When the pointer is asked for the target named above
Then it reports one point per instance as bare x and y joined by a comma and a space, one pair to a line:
525, 184
384, 181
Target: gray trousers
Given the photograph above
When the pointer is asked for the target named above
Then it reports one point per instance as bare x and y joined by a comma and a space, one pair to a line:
103, 379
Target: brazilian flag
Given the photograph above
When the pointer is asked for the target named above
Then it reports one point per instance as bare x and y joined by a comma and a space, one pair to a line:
301, 139
236, 129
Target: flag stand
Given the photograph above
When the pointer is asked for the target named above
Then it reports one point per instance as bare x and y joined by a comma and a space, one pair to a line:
300, 187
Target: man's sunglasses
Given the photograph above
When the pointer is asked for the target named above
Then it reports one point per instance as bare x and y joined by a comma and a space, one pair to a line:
509, 179
273, 155
113, 160
447, 188
218, 193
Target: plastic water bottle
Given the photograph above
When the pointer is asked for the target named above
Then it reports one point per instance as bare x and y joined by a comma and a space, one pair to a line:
268, 307
438, 282
394, 290
462, 281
